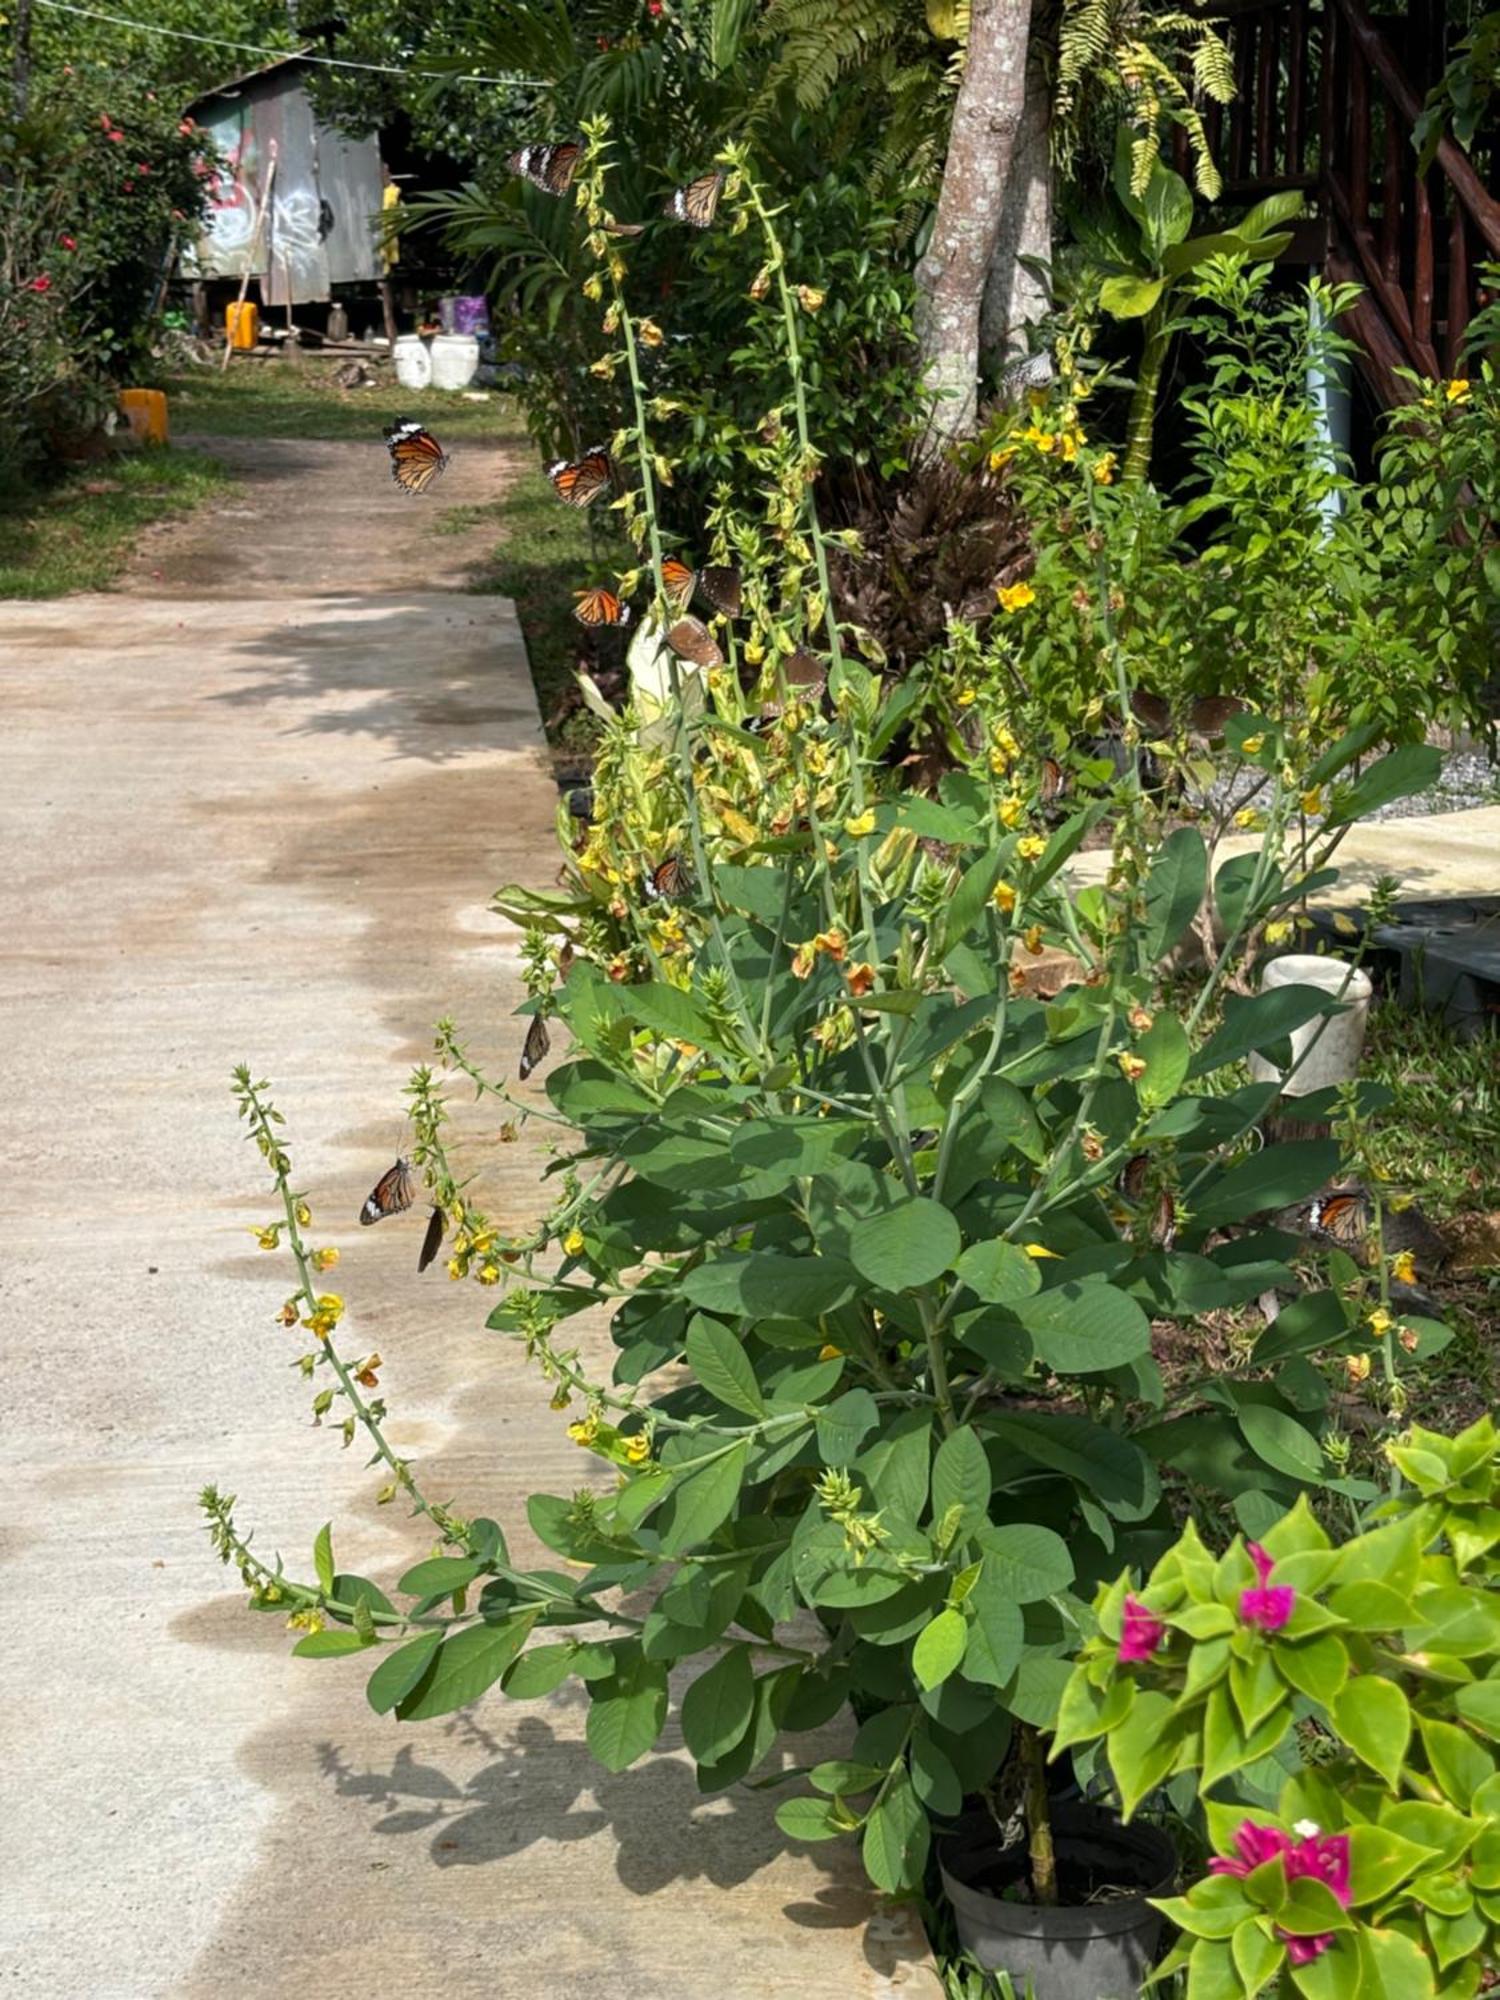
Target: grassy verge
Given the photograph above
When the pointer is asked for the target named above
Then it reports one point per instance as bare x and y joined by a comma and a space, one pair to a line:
296, 399
78, 534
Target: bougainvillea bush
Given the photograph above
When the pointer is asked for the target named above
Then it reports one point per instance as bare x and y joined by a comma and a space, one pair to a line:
1336, 1706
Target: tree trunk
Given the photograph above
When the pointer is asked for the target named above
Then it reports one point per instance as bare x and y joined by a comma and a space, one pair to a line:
951, 276
1015, 297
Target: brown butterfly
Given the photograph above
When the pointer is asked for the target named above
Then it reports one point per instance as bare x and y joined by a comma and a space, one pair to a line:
432, 1242
624, 228
551, 168
1207, 716
1053, 781
720, 585
668, 882
392, 1194
691, 640
536, 1046
805, 672
416, 456
698, 202
1134, 1182
600, 606
678, 582
580, 480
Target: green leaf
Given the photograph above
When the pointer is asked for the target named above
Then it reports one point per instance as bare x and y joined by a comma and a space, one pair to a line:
440, 1575
939, 1648
1414, 767
1281, 1441
843, 1425
627, 1712
763, 1284
842, 1776
908, 1246
1256, 1953
1315, 1320
1379, 1860
1084, 1328
1258, 1023
1317, 1667
1393, 1967
722, 1366
1103, 1465
1275, 1177
896, 1838
1142, 1748
1174, 889
1025, 1561
1479, 1705
1125, 296
719, 1706
961, 1478
323, 1558
809, 1819
1211, 1973
1373, 1718
1459, 1764
328, 1645
538, 1671
702, 1499
998, 1272
400, 1670
1166, 1052
466, 1664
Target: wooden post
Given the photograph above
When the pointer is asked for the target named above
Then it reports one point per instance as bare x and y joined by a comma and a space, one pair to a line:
388, 308
256, 226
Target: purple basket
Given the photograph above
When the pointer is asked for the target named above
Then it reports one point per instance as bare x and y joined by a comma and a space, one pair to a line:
471, 315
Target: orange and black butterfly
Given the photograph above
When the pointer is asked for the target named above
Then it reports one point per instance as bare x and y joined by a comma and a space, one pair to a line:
1053, 781
600, 606
668, 882
691, 640
432, 1242
416, 456
1343, 1215
678, 581
698, 202
392, 1194
551, 168
535, 1048
580, 480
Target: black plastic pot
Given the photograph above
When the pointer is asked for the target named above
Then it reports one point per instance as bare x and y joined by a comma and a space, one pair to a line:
1100, 1950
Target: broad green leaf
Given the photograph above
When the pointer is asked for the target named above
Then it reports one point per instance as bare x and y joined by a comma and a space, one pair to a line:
939, 1648
906, 1247
1166, 1052
843, 1425
1317, 1667
1379, 1860
465, 1666
400, 1670
1211, 1973
627, 1712
1315, 1320
1174, 889
1024, 1561
997, 1636
961, 1478
1083, 1328
439, 1575
934, 1779
722, 1366
538, 1671
1393, 1967
1275, 1177
328, 1645
1101, 1463
702, 1499
809, 1819
1413, 767
719, 1706
1260, 1022
1257, 1953
897, 1466
841, 1776
323, 1558
1459, 1764
1281, 1441
1479, 1705
1035, 1695
1142, 1748
896, 1838
766, 1284
1373, 1718
999, 1272
1124, 296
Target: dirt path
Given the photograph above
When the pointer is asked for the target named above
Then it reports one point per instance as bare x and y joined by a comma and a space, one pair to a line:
254, 814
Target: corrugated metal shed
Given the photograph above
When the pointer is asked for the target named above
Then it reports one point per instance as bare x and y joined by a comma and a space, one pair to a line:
320, 230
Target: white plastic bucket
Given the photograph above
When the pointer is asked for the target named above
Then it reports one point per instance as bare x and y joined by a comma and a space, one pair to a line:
413, 362
455, 360
1334, 1042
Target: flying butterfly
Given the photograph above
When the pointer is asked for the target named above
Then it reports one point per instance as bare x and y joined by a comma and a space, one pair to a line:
534, 1049
416, 456
432, 1242
697, 203
551, 168
678, 581
720, 585
668, 882
600, 606
580, 480
1343, 1215
624, 228
691, 640
392, 1194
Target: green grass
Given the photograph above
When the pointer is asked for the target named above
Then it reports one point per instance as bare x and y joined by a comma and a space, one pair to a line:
296, 399
78, 534
1441, 1137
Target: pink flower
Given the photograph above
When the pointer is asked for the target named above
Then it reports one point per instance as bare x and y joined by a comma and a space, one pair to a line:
187, 127
141, 167
1322, 1856
68, 242
116, 138
41, 284
653, 8
1269, 1606
1140, 1633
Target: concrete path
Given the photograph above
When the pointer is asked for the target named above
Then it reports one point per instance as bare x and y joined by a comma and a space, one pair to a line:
263, 825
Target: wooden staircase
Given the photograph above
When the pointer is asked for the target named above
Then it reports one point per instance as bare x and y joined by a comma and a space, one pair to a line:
1327, 100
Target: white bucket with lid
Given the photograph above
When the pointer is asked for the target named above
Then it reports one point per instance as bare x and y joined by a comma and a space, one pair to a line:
413, 362
1333, 1042
455, 360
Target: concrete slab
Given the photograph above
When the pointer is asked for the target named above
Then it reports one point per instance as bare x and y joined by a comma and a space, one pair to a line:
266, 829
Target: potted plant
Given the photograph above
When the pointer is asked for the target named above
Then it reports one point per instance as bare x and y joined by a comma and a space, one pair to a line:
1343, 1702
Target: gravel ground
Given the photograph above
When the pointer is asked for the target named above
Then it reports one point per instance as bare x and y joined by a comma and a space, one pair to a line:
1468, 779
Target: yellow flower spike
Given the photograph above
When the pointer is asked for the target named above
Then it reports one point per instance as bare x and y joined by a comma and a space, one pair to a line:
860, 824
573, 1242
1016, 597
1038, 1250
1457, 391
1131, 1067
1104, 470
1031, 847
1011, 810
649, 333
1003, 896
966, 697
637, 1447
324, 1260
583, 1433
1404, 1268
811, 298
330, 1302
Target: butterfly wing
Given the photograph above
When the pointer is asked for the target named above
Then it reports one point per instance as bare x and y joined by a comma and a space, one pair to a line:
580, 480
416, 456
432, 1242
697, 203
392, 1194
678, 582
691, 640
1151, 712
668, 882
806, 673
536, 1046
600, 607
720, 584
551, 168
1341, 1215
1211, 714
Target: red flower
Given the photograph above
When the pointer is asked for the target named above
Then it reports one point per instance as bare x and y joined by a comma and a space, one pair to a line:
141, 167
653, 8
116, 138
187, 127
68, 242
103, 121
129, 186
41, 284
602, 40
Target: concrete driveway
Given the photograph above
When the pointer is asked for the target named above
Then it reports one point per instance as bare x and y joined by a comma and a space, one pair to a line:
255, 815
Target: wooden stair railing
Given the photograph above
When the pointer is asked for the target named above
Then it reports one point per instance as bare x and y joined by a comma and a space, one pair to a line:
1326, 103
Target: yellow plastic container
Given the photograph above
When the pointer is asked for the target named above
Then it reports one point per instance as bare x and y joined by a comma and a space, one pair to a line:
146, 412
242, 322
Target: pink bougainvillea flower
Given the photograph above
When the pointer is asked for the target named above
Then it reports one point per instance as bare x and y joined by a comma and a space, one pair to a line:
40, 284
1140, 1633
68, 242
1268, 1605
1322, 1856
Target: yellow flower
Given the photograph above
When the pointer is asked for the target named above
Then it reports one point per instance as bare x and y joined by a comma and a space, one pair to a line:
1033, 941
1067, 445
1031, 847
330, 1302
1404, 1267
584, 1433
1002, 457
649, 333
966, 697
323, 1260
637, 1447
830, 1353
1043, 440
1312, 802
1131, 1067
803, 958
562, 1395
268, 1238
1012, 810
1345, 925
1016, 596
303, 1213
456, 1267
1003, 896
1457, 391
860, 824
812, 299
1381, 1323
1252, 745
1104, 469
1357, 1367
604, 368
1140, 1019
1039, 1250
860, 978
1249, 819
289, 1313
1279, 932
573, 1242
